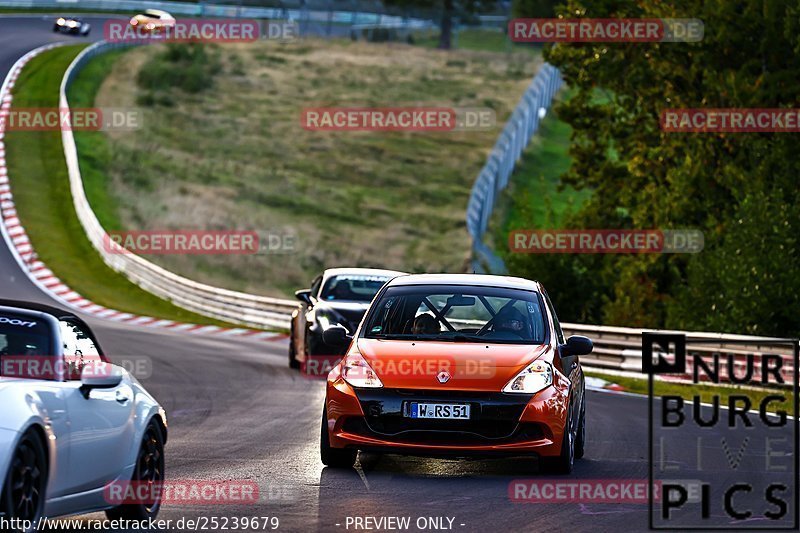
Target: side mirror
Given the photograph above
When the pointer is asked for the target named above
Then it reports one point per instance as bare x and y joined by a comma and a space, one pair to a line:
336, 336
577, 345
304, 296
99, 375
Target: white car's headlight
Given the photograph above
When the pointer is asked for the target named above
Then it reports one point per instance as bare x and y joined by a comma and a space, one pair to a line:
536, 376
328, 319
357, 372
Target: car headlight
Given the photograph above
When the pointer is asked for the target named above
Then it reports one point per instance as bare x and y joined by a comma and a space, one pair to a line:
72, 24
328, 318
357, 372
60, 22
134, 22
536, 376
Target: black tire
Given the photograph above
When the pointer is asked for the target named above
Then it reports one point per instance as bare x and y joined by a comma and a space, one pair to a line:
333, 457
293, 362
56, 29
564, 462
149, 469
23, 492
580, 437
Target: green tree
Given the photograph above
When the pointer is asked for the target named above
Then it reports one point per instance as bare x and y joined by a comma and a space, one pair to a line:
740, 189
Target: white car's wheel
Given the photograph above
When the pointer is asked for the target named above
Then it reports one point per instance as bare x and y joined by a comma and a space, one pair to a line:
23, 492
149, 470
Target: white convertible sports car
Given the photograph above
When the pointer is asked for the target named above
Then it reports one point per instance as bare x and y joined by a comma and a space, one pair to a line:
71, 423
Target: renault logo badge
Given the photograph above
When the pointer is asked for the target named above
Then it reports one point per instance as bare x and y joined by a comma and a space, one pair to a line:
443, 376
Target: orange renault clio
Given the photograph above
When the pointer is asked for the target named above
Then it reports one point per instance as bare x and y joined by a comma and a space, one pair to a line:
457, 365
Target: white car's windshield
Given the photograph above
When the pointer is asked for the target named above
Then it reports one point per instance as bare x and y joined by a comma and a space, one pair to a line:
352, 287
459, 314
23, 339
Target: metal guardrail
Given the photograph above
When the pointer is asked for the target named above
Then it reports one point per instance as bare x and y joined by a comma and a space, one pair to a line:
223, 304
493, 178
619, 349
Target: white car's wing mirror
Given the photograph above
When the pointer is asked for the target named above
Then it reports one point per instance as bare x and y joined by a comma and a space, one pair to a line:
100, 375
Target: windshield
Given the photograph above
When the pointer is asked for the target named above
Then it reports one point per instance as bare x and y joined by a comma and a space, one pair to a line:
458, 314
21, 336
352, 287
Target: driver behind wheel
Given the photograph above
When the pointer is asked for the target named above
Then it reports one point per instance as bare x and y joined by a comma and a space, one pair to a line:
509, 320
425, 324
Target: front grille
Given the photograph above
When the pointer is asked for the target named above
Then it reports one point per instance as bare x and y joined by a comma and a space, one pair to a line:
494, 418
522, 432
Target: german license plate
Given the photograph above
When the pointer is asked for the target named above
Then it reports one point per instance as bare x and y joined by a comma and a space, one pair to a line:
457, 411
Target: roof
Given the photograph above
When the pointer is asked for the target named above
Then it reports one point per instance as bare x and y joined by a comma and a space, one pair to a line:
363, 272
57, 312
41, 308
475, 280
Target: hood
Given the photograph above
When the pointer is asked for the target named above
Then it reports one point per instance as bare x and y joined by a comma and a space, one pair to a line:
471, 366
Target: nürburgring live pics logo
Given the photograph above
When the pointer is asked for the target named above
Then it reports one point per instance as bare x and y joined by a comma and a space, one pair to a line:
723, 461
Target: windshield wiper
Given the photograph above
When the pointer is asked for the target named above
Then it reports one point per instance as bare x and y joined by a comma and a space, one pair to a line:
396, 337
459, 337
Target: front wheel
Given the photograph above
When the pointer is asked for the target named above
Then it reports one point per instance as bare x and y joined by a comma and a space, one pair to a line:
293, 362
563, 463
333, 457
23, 492
580, 437
149, 471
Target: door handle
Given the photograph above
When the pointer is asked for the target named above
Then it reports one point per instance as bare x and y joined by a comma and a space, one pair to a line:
121, 397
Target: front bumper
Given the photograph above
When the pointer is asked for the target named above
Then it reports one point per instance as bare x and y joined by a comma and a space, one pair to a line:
499, 424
